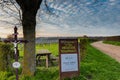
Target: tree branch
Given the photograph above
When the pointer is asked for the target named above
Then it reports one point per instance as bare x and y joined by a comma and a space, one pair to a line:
20, 3
20, 16
8, 22
46, 6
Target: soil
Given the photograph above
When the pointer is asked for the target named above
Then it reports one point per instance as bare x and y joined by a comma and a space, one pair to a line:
111, 50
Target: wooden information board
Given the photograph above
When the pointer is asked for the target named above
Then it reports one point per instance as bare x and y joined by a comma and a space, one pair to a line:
69, 58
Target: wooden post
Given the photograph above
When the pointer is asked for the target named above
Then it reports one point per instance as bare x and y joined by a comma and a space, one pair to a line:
47, 62
15, 41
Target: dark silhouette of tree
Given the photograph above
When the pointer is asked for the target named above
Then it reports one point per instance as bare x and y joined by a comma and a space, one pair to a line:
0, 39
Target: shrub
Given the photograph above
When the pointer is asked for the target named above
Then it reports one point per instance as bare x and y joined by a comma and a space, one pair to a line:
12, 78
83, 47
5, 56
3, 75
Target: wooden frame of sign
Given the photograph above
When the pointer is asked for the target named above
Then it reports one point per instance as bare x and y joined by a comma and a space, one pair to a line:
68, 58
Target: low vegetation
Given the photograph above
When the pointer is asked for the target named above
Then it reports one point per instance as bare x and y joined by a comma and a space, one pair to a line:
6, 54
117, 43
95, 66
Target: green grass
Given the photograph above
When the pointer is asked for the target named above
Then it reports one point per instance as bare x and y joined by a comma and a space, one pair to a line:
99, 66
43, 73
53, 48
112, 42
95, 66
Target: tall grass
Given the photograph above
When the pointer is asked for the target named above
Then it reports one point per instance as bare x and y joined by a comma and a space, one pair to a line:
3, 75
43, 73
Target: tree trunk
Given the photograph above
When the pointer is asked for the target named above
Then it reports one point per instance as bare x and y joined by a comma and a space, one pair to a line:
29, 23
29, 10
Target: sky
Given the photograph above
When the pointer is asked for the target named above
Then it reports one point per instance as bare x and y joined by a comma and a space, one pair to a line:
69, 18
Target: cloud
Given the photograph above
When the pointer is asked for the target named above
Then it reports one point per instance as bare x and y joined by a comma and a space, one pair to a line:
76, 17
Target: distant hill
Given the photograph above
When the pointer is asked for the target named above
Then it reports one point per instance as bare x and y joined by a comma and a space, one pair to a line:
50, 39
55, 39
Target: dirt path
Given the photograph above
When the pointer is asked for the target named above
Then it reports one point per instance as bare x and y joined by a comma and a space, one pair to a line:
111, 50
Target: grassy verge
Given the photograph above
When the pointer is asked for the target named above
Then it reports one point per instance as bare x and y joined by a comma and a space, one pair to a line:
95, 66
98, 66
112, 42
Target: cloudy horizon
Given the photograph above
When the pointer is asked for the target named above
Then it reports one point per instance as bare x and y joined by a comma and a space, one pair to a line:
71, 18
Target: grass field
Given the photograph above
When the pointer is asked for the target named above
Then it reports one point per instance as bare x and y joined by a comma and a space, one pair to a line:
53, 48
112, 42
96, 66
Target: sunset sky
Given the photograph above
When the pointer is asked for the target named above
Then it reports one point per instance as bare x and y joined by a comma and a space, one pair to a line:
70, 18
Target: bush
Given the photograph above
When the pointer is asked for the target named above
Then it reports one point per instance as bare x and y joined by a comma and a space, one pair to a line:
5, 56
12, 78
3, 75
83, 47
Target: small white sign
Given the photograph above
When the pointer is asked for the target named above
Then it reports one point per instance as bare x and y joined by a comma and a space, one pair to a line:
16, 64
69, 62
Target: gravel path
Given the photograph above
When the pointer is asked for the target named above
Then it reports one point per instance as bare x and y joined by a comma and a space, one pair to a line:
111, 50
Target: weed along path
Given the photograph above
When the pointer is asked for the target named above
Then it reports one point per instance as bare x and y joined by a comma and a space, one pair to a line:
111, 50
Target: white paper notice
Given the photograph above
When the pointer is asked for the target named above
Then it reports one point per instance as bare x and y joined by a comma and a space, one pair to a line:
69, 62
